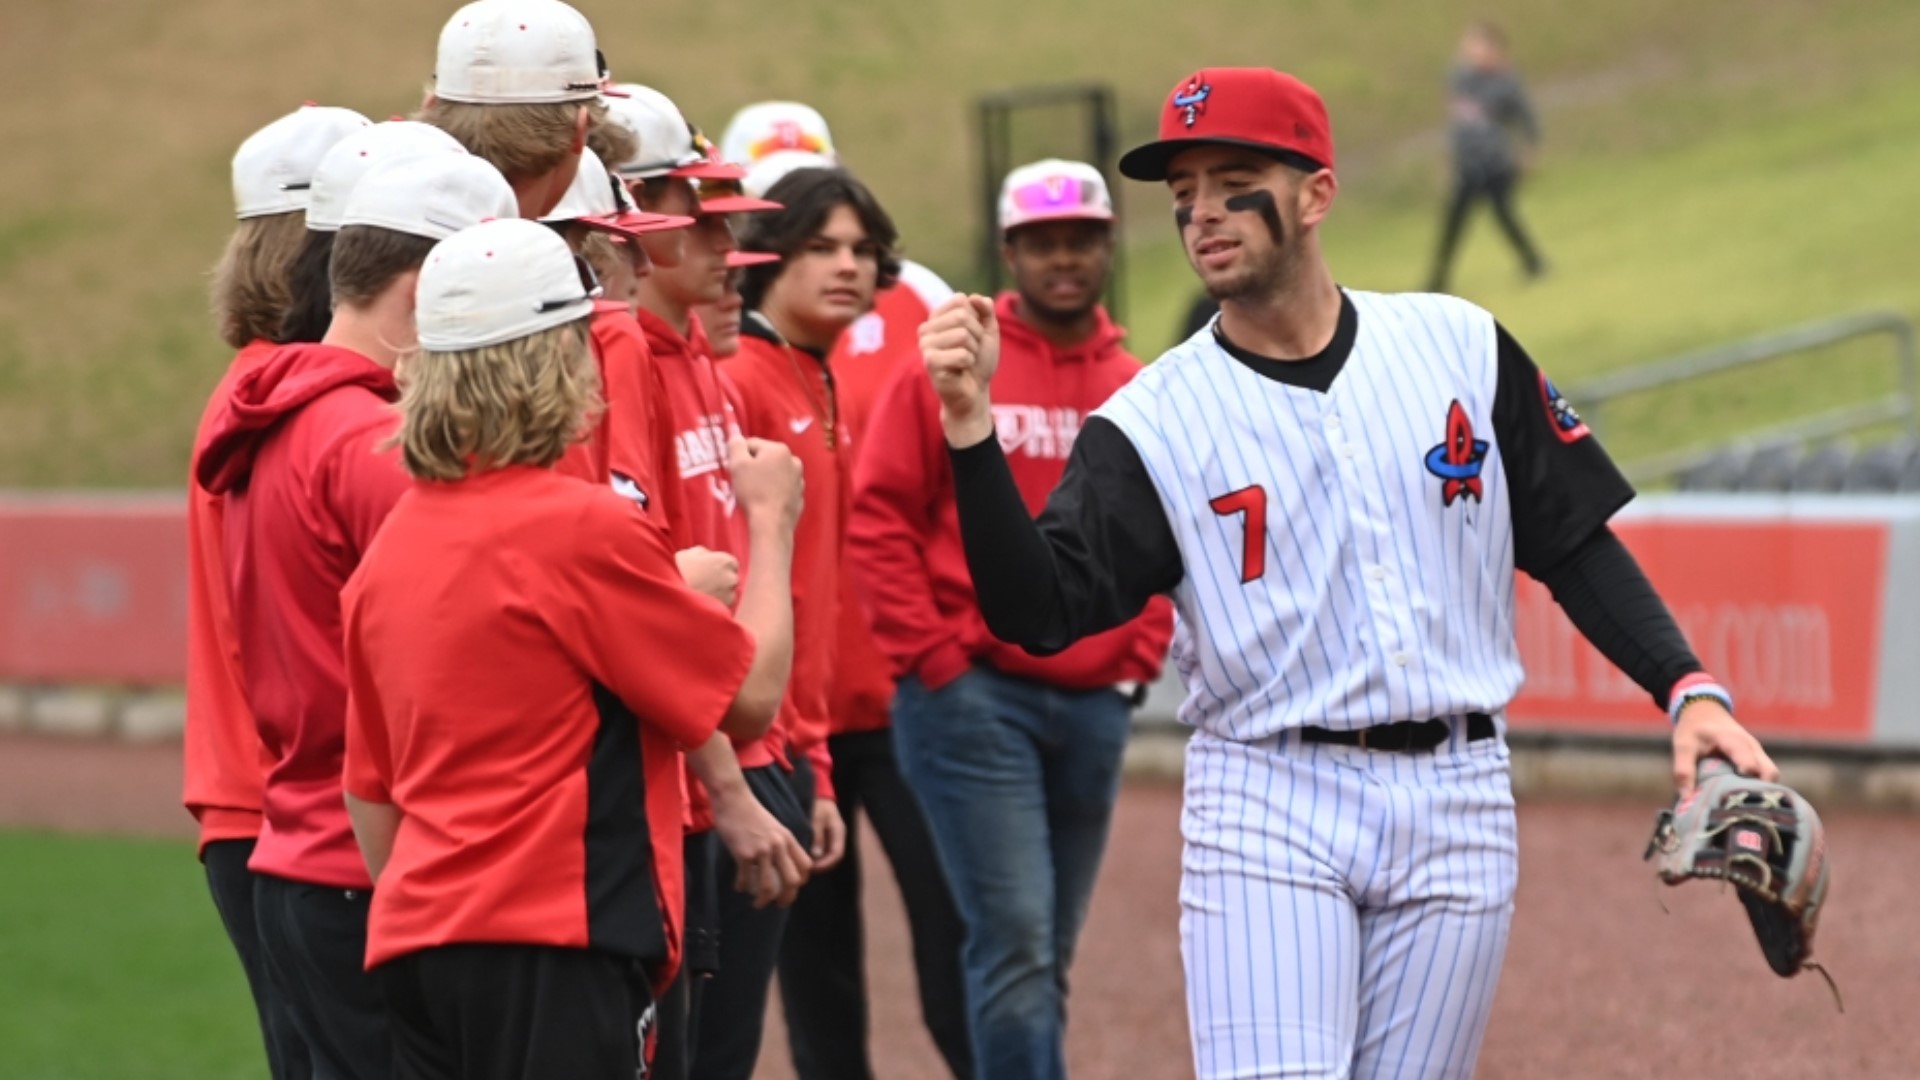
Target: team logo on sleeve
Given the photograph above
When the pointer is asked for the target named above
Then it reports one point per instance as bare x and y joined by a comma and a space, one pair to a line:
626, 487
1191, 99
1458, 460
1566, 423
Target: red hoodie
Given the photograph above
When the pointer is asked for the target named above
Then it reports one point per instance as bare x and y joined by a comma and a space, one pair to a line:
789, 397
226, 765
624, 446
703, 412
904, 538
295, 452
863, 361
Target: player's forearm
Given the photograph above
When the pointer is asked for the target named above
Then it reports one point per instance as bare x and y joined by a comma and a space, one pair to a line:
766, 610
375, 824
717, 768
1011, 563
1609, 599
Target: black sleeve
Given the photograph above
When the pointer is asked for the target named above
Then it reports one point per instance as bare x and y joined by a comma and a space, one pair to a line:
1610, 600
1561, 485
1100, 550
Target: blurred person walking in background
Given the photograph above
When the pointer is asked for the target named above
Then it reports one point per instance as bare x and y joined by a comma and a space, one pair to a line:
1486, 105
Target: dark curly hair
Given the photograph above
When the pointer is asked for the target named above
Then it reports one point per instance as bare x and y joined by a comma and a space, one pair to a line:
810, 196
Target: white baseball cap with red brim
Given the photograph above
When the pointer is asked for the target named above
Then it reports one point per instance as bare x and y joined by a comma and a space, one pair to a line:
595, 200
668, 146
770, 170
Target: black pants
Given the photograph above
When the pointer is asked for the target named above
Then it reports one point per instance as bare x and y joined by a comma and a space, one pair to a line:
313, 940
1469, 189
517, 1012
232, 886
730, 1013
700, 958
823, 962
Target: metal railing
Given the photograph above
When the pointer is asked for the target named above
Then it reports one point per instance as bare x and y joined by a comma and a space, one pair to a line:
1594, 395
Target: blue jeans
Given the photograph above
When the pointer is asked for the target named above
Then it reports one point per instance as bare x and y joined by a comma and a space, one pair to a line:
1018, 781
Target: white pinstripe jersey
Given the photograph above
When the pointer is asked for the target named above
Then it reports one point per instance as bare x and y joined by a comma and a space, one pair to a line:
1381, 587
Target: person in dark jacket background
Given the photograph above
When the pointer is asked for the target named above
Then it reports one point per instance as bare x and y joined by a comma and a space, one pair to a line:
1486, 107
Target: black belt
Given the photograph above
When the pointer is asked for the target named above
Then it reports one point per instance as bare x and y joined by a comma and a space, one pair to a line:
1407, 735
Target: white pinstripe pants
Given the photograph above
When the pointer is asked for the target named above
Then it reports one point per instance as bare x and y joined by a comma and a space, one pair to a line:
1344, 912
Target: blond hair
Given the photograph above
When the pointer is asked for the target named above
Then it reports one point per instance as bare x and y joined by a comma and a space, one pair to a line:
519, 403
526, 142
252, 289
605, 256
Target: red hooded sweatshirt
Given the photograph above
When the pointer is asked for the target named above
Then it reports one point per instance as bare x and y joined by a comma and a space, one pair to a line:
295, 452
624, 446
863, 361
226, 765
703, 412
904, 538
789, 397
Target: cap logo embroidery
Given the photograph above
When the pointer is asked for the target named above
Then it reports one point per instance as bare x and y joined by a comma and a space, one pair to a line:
1191, 100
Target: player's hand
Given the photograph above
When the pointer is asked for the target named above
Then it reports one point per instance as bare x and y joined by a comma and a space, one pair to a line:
1707, 728
829, 835
771, 865
715, 573
960, 345
768, 481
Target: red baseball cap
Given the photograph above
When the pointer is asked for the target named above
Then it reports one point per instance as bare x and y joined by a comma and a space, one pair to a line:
1257, 108
739, 259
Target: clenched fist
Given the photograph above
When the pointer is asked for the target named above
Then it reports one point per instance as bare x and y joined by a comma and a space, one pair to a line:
768, 481
960, 344
715, 573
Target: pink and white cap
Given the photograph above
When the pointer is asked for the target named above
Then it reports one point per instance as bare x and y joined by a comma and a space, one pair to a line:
772, 127
517, 52
1054, 190
273, 169
354, 156
770, 170
434, 196
498, 282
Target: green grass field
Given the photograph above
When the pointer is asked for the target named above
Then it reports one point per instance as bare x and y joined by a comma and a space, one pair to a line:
116, 966
1713, 169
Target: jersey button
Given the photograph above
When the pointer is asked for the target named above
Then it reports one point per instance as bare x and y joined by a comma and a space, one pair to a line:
1347, 452
1377, 573
1401, 659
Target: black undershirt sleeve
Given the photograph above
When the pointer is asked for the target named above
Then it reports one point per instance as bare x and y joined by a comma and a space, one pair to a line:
1099, 551
1613, 605
1562, 489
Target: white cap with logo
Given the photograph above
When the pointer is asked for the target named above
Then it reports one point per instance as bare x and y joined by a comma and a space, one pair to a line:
354, 156
498, 282
770, 127
517, 52
770, 170
1054, 190
273, 169
667, 146
435, 196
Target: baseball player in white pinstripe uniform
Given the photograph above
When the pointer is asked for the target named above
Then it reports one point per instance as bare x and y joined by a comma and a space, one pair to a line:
1336, 488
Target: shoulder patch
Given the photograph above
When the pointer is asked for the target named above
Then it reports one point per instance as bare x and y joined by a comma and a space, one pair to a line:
1566, 423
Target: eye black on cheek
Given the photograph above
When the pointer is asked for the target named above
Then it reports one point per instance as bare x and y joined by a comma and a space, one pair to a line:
1183, 217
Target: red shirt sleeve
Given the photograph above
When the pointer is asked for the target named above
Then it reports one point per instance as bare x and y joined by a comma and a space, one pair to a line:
892, 522
368, 773
619, 606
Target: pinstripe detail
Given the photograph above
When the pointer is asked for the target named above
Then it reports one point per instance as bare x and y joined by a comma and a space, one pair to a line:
1343, 913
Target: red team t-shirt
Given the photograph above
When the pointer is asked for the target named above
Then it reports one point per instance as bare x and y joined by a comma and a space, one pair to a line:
524, 666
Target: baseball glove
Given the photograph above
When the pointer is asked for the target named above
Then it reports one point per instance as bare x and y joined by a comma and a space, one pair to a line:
1766, 840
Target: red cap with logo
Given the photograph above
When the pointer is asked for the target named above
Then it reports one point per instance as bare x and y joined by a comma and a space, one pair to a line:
1258, 108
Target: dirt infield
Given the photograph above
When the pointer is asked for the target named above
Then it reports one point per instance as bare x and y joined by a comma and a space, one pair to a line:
1598, 982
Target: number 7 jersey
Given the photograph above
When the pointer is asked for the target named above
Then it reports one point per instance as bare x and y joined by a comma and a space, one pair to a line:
1348, 550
